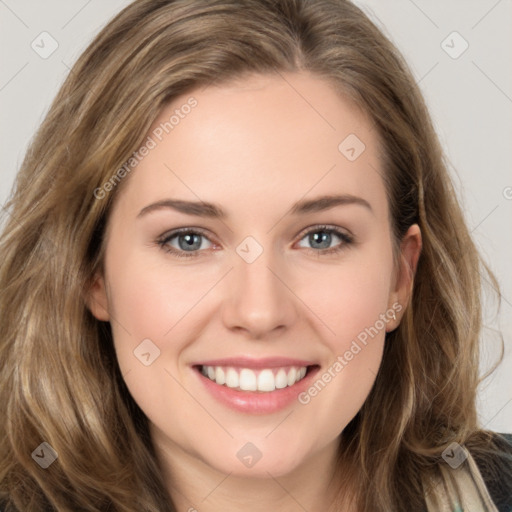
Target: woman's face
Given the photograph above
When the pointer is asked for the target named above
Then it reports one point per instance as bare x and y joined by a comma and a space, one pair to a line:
284, 265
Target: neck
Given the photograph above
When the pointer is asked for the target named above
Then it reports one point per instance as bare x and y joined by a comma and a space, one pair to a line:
196, 486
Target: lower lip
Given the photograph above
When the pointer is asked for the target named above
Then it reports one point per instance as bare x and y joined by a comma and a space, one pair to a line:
254, 402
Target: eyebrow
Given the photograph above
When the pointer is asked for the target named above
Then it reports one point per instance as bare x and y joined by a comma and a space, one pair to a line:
214, 211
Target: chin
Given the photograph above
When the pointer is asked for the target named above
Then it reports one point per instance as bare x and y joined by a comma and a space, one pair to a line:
252, 462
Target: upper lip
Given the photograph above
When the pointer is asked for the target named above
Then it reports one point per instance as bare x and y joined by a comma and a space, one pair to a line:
249, 362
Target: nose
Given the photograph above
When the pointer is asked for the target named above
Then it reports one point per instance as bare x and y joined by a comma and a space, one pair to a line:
259, 300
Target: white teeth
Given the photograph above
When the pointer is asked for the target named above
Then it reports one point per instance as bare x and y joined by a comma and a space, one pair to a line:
281, 379
232, 380
266, 381
245, 379
220, 376
248, 380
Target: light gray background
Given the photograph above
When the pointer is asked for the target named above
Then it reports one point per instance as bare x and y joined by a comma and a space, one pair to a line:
470, 98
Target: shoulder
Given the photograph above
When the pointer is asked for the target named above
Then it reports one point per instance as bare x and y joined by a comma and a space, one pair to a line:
495, 464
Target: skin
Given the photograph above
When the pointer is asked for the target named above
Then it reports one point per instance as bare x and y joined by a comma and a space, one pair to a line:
255, 147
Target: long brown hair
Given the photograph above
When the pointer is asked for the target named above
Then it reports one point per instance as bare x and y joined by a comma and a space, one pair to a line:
60, 382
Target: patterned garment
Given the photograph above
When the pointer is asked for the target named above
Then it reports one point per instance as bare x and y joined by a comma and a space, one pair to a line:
477, 494
474, 496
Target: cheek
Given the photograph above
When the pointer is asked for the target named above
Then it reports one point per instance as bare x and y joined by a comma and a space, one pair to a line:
162, 304
352, 302
349, 297
150, 299
149, 302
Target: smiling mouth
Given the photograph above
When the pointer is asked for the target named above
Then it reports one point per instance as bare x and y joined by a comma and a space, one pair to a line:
264, 380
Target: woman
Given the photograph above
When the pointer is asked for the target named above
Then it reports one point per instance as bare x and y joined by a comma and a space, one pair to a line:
172, 336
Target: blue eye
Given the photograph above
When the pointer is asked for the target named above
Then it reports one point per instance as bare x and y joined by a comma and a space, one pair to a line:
321, 237
190, 241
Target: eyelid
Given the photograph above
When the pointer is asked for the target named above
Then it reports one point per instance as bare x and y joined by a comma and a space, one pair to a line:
188, 229
193, 229
326, 227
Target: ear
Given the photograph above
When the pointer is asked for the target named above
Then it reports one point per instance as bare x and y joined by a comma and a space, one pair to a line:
97, 300
400, 294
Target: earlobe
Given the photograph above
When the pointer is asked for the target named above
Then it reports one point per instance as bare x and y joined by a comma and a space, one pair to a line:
410, 250
97, 300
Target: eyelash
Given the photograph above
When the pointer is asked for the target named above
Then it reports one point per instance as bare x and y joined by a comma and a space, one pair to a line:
346, 239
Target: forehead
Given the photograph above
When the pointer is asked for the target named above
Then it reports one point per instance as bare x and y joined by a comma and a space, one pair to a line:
258, 143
